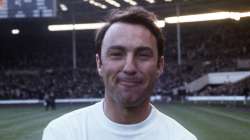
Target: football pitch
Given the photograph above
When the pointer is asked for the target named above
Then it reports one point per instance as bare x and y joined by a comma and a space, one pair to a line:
206, 122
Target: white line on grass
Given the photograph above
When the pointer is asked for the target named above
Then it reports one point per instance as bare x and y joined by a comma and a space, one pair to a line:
225, 115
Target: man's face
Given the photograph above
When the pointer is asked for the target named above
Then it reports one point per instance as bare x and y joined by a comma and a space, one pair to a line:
128, 64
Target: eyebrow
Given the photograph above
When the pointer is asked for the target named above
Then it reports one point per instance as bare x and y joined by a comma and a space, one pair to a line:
116, 48
119, 47
144, 48
138, 50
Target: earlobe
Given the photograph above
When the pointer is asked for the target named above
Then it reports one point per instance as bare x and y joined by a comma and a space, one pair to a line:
159, 72
98, 64
99, 70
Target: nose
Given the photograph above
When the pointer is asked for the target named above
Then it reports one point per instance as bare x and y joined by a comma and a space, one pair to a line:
130, 66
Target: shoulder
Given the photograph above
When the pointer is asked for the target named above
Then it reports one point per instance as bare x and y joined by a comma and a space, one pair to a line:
64, 126
177, 131
70, 117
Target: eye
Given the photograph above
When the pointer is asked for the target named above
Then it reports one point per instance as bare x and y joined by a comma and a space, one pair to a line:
145, 55
116, 54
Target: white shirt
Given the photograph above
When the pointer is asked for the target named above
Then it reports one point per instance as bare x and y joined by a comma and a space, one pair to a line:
90, 123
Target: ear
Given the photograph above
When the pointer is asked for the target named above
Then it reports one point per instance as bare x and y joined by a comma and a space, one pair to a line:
98, 64
161, 65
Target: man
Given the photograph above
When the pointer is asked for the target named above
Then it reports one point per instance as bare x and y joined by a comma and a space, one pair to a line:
46, 101
246, 93
129, 59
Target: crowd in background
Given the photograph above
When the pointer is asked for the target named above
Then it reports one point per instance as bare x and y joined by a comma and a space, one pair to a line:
30, 72
62, 83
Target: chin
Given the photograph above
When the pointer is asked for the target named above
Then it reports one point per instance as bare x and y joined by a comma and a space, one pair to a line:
133, 101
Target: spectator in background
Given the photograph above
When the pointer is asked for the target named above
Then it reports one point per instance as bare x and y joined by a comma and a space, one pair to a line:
129, 59
52, 99
46, 101
246, 91
49, 101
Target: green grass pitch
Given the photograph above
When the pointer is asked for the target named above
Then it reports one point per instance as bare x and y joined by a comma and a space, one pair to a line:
206, 122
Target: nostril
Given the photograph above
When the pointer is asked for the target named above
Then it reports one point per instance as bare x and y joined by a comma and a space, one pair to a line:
129, 69
130, 72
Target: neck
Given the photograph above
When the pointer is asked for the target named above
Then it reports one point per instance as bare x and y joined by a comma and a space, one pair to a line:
126, 115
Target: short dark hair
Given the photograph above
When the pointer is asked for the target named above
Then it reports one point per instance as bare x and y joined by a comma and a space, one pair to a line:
133, 15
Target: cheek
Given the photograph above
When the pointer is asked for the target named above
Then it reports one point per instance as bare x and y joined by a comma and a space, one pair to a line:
110, 70
150, 72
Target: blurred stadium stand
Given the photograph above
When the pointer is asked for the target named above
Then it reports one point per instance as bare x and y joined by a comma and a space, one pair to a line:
37, 61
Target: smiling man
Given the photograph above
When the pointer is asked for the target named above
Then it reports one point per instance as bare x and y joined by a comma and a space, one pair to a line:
129, 68
129, 60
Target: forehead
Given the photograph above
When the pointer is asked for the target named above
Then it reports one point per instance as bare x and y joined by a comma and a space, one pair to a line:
129, 36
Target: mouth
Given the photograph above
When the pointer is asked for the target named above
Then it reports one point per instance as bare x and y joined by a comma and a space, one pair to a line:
130, 82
